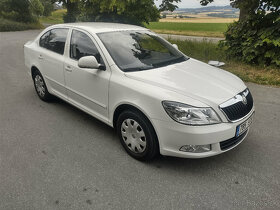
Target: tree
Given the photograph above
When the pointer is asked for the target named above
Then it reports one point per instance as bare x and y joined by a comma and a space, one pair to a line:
125, 11
48, 7
22, 10
168, 5
255, 37
72, 7
3, 7
36, 7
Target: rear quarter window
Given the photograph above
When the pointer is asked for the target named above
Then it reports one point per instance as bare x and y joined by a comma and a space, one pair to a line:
44, 40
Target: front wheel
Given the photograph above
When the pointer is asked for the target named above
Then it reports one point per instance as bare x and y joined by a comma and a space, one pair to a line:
137, 135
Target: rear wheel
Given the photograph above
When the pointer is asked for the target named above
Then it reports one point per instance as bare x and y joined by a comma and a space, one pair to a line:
40, 87
137, 135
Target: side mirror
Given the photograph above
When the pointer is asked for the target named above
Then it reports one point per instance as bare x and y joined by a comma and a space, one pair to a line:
90, 62
175, 46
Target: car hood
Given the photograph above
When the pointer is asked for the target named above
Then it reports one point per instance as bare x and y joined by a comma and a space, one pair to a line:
194, 79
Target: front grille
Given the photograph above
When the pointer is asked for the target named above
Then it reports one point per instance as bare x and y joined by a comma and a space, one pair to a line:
235, 108
232, 142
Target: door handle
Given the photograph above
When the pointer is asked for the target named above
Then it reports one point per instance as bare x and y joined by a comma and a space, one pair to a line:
68, 68
40, 57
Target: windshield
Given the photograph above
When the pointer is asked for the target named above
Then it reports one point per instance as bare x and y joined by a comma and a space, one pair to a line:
140, 50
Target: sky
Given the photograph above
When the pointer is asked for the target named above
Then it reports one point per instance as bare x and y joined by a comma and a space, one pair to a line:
196, 4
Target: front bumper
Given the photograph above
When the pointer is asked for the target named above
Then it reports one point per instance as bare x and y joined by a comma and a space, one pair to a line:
172, 136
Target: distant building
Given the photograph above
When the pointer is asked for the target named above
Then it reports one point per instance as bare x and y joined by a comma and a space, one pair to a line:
57, 6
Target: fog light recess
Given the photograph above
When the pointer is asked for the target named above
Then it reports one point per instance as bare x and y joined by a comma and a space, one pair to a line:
196, 148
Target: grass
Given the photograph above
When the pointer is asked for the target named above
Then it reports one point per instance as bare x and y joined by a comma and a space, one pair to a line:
191, 29
9, 25
55, 18
206, 51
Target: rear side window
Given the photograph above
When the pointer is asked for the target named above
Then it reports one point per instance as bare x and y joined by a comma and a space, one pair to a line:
81, 45
54, 40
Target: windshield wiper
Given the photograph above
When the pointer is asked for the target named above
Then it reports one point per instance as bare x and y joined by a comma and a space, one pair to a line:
168, 62
157, 65
138, 68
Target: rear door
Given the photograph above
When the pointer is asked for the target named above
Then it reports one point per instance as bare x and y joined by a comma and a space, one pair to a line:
51, 58
87, 88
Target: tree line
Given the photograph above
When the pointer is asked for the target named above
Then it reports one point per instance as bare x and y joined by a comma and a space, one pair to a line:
26, 11
125, 11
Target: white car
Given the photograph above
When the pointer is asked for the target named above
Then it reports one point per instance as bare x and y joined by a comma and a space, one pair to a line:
158, 99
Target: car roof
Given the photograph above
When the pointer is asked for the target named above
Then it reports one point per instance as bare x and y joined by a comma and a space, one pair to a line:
101, 27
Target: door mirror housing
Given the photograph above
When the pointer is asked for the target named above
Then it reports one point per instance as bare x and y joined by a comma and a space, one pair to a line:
175, 46
90, 62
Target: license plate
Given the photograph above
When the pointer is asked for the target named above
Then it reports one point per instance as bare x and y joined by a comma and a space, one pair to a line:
240, 129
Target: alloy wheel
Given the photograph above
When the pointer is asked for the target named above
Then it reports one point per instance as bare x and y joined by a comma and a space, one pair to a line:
40, 86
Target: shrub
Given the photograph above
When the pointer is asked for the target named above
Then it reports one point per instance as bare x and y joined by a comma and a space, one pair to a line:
256, 40
206, 51
9, 25
26, 11
48, 7
202, 50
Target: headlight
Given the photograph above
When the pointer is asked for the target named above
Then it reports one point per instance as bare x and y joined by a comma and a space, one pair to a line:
190, 115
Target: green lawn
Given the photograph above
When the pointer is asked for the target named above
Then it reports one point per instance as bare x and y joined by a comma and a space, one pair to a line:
55, 18
206, 51
193, 29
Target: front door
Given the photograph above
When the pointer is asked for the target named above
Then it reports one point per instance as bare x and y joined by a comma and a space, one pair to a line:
86, 88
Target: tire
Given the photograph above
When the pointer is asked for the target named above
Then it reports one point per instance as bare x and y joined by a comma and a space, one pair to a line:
137, 135
41, 87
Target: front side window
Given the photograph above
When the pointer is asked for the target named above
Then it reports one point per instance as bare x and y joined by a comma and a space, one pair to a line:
81, 45
140, 50
54, 40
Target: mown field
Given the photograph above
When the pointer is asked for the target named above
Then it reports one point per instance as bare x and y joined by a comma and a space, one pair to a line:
190, 29
199, 20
